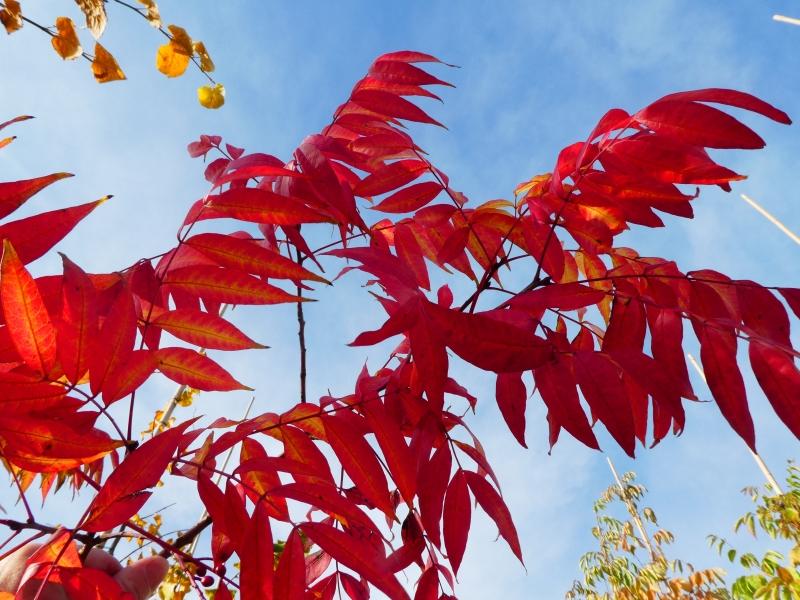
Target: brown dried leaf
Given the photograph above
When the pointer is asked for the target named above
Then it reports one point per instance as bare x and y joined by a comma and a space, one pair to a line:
95, 11
153, 15
11, 16
206, 64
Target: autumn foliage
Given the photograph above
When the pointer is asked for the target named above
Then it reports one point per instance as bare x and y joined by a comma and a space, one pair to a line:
384, 479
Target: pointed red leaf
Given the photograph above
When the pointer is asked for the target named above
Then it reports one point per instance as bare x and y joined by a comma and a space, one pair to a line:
257, 557
14, 194
512, 399
496, 508
129, 375
398, 457
78, 325
780, 379
114, 344
457, 517
228, 286
390, 177
189, 367
204, 329
28, 323
386, 103
732, 98
434, 475
263, 206
34, 236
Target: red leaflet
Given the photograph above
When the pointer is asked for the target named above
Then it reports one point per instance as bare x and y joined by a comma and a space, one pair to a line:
250, 257
601, 383
128, 376
44, 446
114, 344
496, 508
698, 125
512, 400
324, 497
355, 554
28, 323
564, 296
78, 324
408, 56
457, 517
228, 286
262, 479
433, 477
626, 328
189, 367
390, 177
359, 462
33, 236
257, 557
204, 329
222, 545
355, 589
263, 206
386, 103
14, 194
402, 72
410, 198
123, 493
732, 98
780, 379
245, 173
399, 459
792, 297
718, 355
428, 585
408, 249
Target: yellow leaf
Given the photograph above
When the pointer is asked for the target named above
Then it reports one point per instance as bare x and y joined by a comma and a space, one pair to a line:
211, 97
11, 16
95, 11
206, 64
66, 43
171, 61
181, 40
104, 66
153, 16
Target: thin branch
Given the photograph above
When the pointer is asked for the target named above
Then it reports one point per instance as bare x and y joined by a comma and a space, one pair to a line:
301, 334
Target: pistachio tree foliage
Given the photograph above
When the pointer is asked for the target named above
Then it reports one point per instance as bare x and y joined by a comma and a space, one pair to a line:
376, 488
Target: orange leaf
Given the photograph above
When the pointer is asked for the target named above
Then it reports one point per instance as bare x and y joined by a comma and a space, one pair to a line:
104, 66
11, 16
27, 320
66, 43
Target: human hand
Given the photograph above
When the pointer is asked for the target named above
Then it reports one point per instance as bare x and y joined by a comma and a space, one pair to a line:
139, 579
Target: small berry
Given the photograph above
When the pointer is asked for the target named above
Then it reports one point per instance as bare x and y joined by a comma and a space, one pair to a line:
207, 581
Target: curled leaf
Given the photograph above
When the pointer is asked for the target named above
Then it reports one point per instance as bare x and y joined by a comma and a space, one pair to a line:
95, 12
104, 66
153, 16
206, 64
66, 43
211, 97
181, 39
11, 16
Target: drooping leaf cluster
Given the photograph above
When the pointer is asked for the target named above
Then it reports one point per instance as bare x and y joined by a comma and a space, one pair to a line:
172, 58
396, 453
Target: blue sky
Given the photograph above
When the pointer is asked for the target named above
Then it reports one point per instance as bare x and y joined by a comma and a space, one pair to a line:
534, 77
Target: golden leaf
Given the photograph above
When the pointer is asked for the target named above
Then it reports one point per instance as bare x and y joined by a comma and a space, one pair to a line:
95, 11
104, 66
211, 97
66, 43
153, 16
181, 40
11, 16
206, 64
171, 60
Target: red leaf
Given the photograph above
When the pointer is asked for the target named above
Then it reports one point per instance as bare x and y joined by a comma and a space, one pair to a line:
457, 516
780, 379
261, 480
290, 577
355, 554
410, 198
114, 344
792, 297
564, 296
496, 508
732, 98
263, 206
34, 236
191, 368
601, 383
399, 459
428, 585
359, 462
386, 103
229, 286
123, 493
78, 325
27, 320
14, 194
433, 477
718, 355
512, 399
129, 375
204, 329
390, 177
257, 557
250, 257
698, 125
